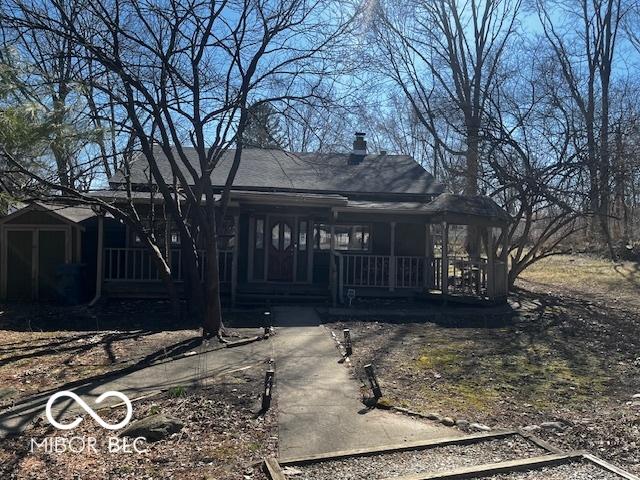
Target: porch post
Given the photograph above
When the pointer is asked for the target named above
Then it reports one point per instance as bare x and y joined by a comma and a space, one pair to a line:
267, 246
491, 266
428, 253
445, 259
251, 247
295, 237
392, 259
505, 254
167, 238
234, 258
333, 276
78, 252
99, 261
167, 244
310, 248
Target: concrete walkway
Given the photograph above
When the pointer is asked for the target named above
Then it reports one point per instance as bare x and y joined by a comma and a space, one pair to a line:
318, 399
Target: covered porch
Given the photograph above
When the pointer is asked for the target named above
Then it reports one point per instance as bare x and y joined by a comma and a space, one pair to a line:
331, 248
443, 268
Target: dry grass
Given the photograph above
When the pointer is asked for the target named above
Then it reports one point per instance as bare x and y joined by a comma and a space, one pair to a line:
45, 346
222, 438
32, 362
587, 274
570, 354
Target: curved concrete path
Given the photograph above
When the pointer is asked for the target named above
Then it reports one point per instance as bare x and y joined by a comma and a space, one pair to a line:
319, 408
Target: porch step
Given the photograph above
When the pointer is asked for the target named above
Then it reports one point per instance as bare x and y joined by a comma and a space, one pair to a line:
260, 299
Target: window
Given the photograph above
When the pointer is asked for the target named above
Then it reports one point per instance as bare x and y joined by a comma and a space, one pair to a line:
321, 237
286, 236
352, 237
227, 238
348, 237
175, 238
302, 236
275, 236
259, 233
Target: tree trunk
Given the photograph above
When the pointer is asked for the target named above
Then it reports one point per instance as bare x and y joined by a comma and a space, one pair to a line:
472, 240
212, 323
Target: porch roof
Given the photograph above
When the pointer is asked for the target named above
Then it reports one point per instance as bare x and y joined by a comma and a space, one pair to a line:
445, 207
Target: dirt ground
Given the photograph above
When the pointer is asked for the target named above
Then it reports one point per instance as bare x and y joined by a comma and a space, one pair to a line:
222, 438
45, 346
570, 355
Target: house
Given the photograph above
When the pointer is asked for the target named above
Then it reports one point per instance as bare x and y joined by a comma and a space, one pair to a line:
298, 226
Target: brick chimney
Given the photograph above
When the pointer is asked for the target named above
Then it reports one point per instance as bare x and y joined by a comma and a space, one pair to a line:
359, 149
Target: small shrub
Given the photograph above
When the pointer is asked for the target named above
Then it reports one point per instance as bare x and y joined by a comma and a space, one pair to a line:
177, 392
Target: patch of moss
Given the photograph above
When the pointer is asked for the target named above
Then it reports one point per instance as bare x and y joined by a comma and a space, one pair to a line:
479, 373
442, 358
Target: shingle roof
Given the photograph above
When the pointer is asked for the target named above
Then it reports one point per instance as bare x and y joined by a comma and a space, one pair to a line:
477, 205
269, 169
445, 203
74, 214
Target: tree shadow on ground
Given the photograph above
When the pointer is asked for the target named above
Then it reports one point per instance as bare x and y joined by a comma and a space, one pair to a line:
152, 315
551, 342
74, 346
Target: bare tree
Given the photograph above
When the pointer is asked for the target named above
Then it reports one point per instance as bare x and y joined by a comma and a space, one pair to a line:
586, 62
184, 74
445, 55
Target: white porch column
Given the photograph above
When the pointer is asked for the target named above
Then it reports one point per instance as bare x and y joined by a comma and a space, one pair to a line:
393, 274
234, 258
445, 259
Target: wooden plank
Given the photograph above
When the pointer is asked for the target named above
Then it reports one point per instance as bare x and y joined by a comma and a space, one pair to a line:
273, 469
539, 442
610, 467
401, 447
476, 471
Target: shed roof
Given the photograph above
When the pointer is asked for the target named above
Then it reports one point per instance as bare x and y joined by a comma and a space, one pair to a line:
277, 170
65, 213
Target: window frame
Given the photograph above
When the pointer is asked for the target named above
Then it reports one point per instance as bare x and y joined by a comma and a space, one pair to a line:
364, 225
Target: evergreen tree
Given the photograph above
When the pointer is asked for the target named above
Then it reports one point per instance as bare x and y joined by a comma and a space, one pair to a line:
263, 129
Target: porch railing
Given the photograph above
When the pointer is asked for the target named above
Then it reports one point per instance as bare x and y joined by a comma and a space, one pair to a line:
464, 276
467, 277
364, 270
137, 265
